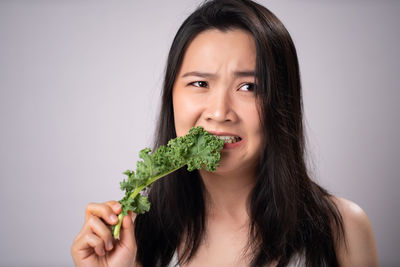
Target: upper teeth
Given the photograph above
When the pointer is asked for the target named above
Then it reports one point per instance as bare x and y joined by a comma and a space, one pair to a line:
229, 139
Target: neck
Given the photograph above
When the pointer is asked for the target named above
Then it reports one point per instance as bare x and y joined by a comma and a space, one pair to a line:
227, 194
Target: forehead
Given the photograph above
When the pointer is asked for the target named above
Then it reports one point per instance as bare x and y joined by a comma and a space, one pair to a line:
214, 49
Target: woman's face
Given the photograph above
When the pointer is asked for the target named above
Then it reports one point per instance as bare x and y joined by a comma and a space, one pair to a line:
214, 89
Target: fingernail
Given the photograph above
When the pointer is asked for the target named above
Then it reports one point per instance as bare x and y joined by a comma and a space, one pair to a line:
117, 206
113, 218
102, 252
109, 245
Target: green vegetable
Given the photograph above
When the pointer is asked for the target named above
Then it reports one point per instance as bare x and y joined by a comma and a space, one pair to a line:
197, 149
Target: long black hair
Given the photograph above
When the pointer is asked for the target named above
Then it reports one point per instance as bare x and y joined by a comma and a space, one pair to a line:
289, 213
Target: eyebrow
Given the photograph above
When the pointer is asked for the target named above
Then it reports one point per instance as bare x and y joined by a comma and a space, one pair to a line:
244, 73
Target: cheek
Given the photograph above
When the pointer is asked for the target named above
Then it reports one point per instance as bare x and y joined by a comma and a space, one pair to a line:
254, 123
186, 112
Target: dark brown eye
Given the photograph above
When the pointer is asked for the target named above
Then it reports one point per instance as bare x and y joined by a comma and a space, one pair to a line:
247, 87
199, 84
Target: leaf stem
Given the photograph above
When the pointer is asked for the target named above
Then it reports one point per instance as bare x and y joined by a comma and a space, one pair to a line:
136, 192
118, 226
152, 180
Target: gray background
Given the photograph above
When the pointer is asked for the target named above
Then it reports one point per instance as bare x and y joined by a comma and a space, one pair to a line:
79, 93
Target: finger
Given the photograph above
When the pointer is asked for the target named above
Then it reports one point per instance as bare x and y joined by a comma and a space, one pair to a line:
115, 206
127, 235
96, 243
98, 227
103, 211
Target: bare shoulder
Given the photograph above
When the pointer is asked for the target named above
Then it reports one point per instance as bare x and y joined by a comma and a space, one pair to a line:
359, 248
353, 214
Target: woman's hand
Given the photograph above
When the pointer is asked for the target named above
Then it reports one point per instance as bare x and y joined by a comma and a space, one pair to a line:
95, 245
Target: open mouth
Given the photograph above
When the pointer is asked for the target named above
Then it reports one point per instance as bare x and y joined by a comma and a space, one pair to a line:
229, 139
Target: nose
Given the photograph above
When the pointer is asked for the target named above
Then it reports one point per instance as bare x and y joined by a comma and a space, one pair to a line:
219, 107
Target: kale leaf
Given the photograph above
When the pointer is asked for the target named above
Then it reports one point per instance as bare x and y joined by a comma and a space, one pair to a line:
197, 149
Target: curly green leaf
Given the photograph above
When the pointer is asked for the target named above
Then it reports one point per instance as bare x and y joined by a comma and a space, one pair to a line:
198, 149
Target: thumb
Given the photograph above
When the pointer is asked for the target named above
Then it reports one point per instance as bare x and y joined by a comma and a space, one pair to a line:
127, 234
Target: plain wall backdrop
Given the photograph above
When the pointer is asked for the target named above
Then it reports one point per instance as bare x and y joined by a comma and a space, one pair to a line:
80, 90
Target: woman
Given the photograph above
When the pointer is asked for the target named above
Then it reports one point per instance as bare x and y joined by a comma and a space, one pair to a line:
233, 69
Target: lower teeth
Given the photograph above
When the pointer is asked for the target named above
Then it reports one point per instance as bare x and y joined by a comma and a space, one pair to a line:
231, 141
